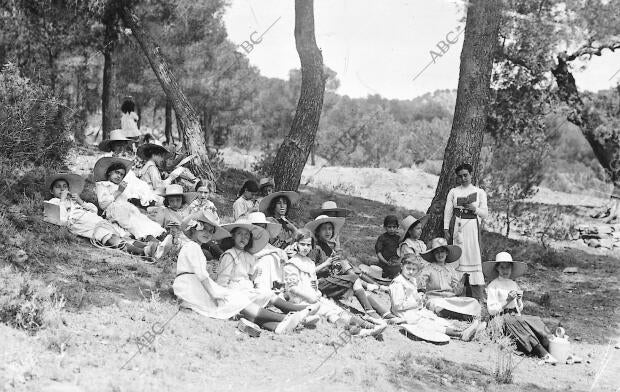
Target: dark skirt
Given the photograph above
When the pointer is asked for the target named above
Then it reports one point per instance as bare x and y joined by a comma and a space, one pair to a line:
527, 331
336, 286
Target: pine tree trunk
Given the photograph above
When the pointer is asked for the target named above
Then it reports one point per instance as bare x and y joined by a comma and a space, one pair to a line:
107, 111
606, 148
187, 119
470, 112
293, 153
168, 122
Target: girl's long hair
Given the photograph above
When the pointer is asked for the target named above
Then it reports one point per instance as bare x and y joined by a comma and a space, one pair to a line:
250, 242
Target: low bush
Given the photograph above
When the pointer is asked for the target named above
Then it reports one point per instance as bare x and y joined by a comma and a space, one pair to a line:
35, 127
27, 303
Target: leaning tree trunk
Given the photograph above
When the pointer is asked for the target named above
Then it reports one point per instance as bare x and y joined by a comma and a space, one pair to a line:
293, 153
606, 147
187, 118
470, 112
168, 122
107, 113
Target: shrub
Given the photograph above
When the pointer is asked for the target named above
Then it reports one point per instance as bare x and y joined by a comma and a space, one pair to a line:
264, 164
27, 303
35, 127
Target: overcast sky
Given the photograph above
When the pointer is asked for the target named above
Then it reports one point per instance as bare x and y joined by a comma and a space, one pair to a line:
376, 46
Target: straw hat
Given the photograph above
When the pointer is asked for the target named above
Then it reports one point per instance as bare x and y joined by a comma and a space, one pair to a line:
375, 272
416, 332
330, 208
205, 217
102, 165
260, 236
319, 220
177, 190
116, 135
75, 181
273, 228
454, 251
518, 267
293, 198
409, 221
151, 148
266, 181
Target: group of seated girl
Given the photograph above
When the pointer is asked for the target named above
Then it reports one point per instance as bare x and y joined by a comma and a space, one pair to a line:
301, 273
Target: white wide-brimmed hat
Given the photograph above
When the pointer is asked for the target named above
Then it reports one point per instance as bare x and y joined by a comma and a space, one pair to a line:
177, 190
102, 165
260, 236
205, 217
116, 135
258, 218
454, 251
75, 181
417, 332
518, 267
293, 198
330, 208
319, 220
409, 221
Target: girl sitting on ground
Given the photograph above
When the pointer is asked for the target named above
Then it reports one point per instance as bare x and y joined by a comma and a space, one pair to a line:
269, 260
505, 300
155, 155
278, 206
444, 285
301, 287
109, 174
336, 275
408, 303
266, 186
246, 200
237, 269
81, 217
203, 202
117, 145
176, 204
410, 242
200, 293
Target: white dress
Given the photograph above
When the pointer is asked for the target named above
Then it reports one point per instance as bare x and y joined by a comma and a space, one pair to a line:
269, 261
129, 124
84, 221
410, 246
242, 207
466, 233
408, 304
191, 271
497, 294
124, 213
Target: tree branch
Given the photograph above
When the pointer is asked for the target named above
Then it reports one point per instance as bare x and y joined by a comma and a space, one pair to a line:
591, 49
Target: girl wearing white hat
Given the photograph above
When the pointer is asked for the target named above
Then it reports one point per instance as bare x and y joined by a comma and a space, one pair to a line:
270, 259
505, 300
337, 276
410, 242
176, 204
117, 145
443, 284
199, 292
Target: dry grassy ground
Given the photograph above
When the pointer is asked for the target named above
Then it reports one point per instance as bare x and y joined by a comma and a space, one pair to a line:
114, 299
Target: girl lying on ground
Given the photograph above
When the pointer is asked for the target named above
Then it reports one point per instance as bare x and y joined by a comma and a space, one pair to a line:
237, 269
408, 303
301, 287
81, 218
337, 277
444, 285
109, 174
505, 300
201, 294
